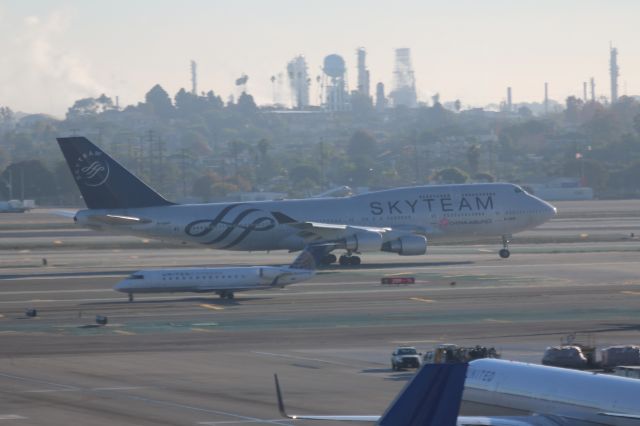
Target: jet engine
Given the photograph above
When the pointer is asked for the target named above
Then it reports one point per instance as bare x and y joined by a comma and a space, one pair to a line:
363, 241
409, 245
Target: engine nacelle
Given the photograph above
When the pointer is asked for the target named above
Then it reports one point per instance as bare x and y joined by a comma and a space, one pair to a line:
364, 241
409, 245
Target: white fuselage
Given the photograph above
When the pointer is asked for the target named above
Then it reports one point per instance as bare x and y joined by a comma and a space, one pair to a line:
441, 212
201, 280
575, 396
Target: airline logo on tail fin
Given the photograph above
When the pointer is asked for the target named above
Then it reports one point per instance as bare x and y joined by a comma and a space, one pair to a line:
103, 182
432, 398
308, 259
91, 169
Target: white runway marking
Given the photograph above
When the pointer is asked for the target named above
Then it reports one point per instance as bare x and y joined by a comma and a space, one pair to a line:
11, 417
302, 358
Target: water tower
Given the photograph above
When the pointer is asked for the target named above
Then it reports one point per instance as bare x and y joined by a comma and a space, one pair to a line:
335, 83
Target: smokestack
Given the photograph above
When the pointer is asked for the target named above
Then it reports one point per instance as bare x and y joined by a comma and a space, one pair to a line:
614, 71
584, 91
593, 89
546, 98
194, 78
381, 101
509, 103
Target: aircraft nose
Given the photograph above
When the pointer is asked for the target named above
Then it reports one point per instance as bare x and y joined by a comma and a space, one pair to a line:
549, 210
122, 286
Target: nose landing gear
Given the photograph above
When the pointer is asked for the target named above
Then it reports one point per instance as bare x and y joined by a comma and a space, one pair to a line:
505, 253
346, 260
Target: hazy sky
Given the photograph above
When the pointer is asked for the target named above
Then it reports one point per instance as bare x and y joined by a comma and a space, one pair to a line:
54, 52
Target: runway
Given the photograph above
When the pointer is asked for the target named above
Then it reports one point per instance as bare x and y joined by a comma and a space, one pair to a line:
195, 359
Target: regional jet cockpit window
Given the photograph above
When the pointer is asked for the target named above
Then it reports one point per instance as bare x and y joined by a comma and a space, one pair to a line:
517, 189
136, 277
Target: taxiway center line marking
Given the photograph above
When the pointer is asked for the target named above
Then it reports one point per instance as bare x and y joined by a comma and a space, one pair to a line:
496, 320
124, 333
235, 422
300, 358
203, 410
421, 299
634, 293
202, 330
11, 417
399, 342
117, 388
42, 382
214, 307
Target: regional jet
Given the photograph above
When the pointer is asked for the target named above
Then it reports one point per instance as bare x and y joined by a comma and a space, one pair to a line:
400, 220
222, 281
536, 395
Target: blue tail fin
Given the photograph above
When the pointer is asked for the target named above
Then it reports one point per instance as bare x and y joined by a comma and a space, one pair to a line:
431, 398
103, 182
308, 259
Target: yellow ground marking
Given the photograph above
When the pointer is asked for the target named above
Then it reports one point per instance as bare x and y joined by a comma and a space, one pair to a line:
214, 307
454, 276
202, 330
399, 273
124, 333
411, 342
497, 320
421, 299
634, 293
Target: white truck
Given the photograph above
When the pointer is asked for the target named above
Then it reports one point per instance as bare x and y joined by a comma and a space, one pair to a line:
405, 357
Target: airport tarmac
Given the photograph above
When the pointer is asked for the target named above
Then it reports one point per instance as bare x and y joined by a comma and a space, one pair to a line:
195, 359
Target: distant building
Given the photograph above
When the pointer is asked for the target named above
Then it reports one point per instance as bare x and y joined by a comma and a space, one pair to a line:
381, 101
363, 73
299, 81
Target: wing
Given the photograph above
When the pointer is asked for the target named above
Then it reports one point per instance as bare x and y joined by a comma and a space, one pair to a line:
508, 421
622, 415
319, 231
111, 219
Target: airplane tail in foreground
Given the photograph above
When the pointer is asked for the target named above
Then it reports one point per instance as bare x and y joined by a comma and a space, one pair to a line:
308, 259
432, 398
103, 182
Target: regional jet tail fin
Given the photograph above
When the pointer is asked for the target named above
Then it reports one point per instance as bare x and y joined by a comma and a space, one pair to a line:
431, 398
103, 182
309, 259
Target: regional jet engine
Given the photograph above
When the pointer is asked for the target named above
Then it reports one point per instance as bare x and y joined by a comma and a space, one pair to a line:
409, 245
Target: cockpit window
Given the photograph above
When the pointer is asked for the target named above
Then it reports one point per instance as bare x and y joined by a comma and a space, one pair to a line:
136, 277
517, 189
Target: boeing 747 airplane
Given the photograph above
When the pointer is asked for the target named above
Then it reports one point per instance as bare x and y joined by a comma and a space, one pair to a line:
222, 281
398, 220
538, 395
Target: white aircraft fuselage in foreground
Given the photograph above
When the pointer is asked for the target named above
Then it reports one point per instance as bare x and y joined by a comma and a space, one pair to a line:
222, 281
539, 395
397, 220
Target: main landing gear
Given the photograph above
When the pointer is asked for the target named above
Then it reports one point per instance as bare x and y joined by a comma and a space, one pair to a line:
344, 260
226, 295
130, 297
505, 253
